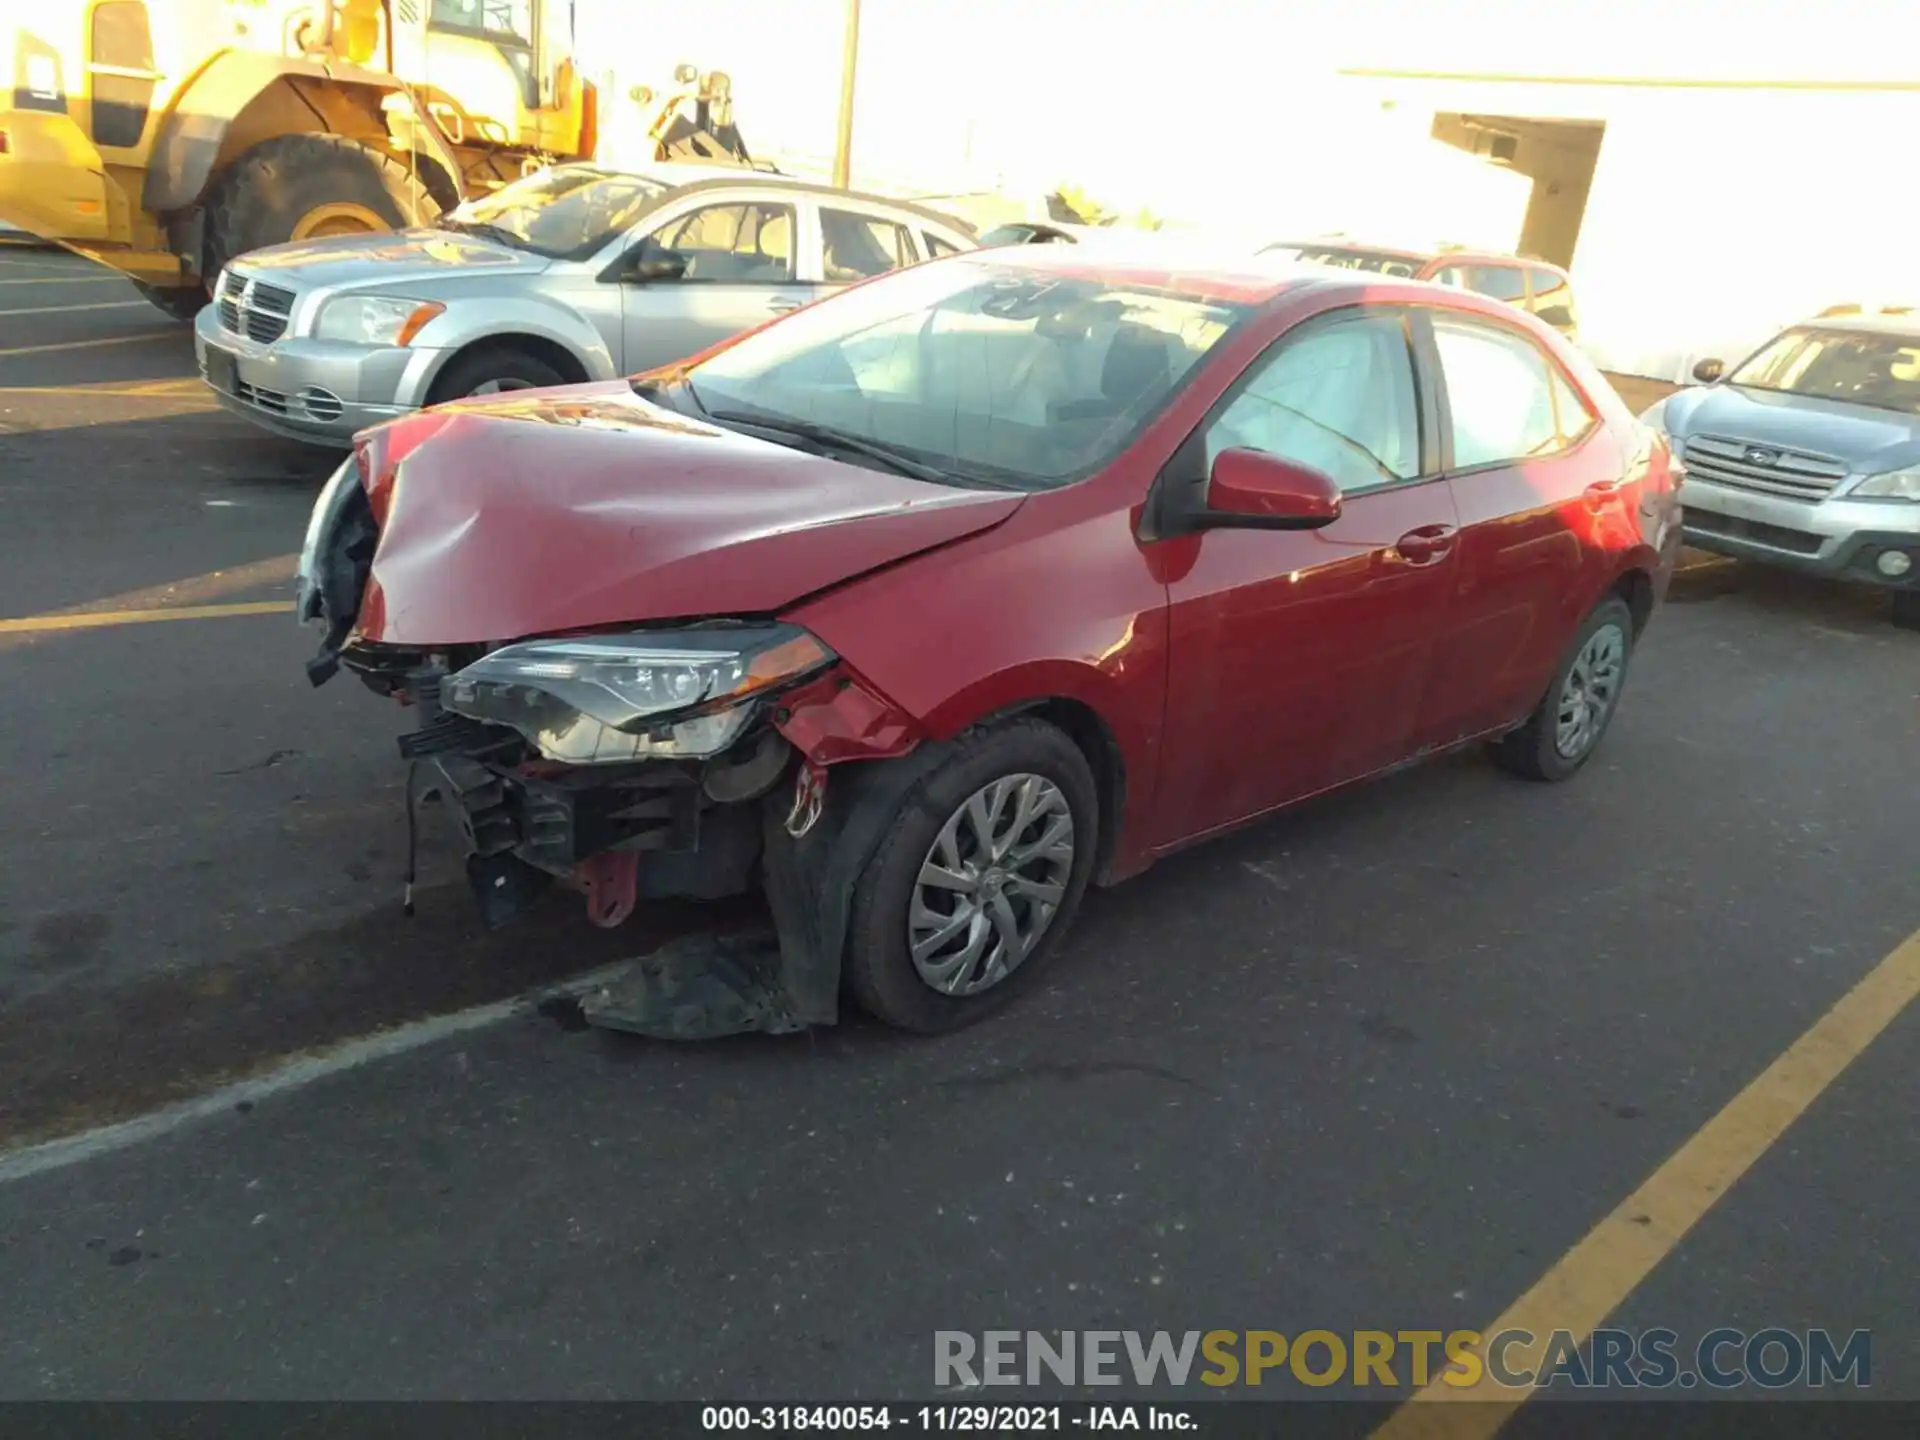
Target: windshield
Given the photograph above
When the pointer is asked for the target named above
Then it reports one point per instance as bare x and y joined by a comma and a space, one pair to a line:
1882, 371
988, 371
1380, 261
564, 214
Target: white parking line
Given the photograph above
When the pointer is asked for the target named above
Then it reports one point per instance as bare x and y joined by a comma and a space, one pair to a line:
296, 1074
89, 344
71, 309
62, 278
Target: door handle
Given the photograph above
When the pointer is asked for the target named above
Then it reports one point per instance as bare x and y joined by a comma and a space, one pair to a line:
1426, 544
783, 306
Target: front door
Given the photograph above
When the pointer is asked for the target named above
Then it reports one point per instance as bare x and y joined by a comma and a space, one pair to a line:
741, 270
1299, 660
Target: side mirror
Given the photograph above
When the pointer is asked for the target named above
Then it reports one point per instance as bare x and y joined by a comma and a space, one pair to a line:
1708, 371
653, 264
1250, 489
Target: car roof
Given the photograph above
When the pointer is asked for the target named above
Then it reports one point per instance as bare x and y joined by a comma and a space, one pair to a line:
1152, 260
1903, 326
1451, 254
685, 177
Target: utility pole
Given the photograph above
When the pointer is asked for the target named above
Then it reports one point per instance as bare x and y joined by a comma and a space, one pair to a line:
849, 63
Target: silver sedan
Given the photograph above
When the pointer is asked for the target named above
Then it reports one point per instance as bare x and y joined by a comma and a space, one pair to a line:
571, 274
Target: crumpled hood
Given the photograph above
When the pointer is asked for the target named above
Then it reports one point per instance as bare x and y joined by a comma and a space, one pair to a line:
583, 507
364, 259
1869, 440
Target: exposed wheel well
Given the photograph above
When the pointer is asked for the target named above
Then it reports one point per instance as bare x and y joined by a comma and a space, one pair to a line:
1636, 588
1087, 730
546, 351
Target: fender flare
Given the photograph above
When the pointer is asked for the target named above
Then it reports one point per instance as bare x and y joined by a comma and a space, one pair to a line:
196, 127
507, 319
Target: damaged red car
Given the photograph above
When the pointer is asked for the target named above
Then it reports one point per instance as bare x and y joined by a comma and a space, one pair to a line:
930, 604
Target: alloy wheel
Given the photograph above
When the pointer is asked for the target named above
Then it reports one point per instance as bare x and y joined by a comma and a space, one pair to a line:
990, 884
1587, 697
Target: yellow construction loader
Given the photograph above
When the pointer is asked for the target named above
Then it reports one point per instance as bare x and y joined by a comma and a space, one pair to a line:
164, 137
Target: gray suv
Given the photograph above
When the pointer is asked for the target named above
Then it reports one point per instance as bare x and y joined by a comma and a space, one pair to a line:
1807, 454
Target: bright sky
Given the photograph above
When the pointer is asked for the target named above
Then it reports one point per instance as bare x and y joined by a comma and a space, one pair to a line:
1147, 92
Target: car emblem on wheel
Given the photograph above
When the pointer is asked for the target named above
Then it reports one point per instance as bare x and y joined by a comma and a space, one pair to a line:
1757, 456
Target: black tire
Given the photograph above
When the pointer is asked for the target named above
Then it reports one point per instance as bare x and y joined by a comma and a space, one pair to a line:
181, 304
262, 197
1906, 609
502, 366
1533, 750
879, 971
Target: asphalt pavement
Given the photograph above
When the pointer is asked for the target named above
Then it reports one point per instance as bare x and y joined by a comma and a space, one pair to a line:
1378, 1064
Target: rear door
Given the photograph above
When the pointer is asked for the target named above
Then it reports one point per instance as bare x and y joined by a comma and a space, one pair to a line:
743, 267
1299, 659
1531, 471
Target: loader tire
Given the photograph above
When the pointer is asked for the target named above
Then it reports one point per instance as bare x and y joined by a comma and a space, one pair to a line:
181, 303
303, 187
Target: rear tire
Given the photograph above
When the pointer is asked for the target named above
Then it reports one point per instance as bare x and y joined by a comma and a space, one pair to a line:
493, 370
306, 187
1554, 743
1906, 609
880, 970
181, 304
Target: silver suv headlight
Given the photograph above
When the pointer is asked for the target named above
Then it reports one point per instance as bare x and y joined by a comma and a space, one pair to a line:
605, 699
374, 319
1892, 485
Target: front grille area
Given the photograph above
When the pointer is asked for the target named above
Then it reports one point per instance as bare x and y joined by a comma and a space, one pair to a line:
254, 309
1764, 469
1777, 537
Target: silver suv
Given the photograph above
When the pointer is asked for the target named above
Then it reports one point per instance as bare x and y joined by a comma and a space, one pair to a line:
571, 274
1807, 454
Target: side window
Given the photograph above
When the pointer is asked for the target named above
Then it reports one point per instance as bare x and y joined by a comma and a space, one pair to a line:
1570, 412
1500, 394
507, 19
1339, 398
1552, 299
737, 243
854, 246
123, 43
936, 247
1502, 282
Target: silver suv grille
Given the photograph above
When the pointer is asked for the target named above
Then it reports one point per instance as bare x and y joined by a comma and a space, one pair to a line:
254, 309
1768, 469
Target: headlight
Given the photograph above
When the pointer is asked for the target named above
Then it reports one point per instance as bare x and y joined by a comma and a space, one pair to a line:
325, 510
1894, 485
598, 700
374, 319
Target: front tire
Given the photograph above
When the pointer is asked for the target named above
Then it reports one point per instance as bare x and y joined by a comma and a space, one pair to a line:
977, 880
1565, 728
493, 370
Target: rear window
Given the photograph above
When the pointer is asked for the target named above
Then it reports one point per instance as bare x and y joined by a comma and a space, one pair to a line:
1381, 262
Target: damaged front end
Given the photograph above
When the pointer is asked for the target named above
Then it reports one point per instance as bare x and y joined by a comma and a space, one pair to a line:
680, 760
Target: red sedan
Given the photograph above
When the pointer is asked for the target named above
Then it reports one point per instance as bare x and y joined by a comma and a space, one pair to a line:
928, 605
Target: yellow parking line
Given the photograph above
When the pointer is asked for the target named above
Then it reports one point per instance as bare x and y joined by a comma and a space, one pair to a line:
1592, 1279
90, 344
103, 619
75, 309
194, 591
145, 390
